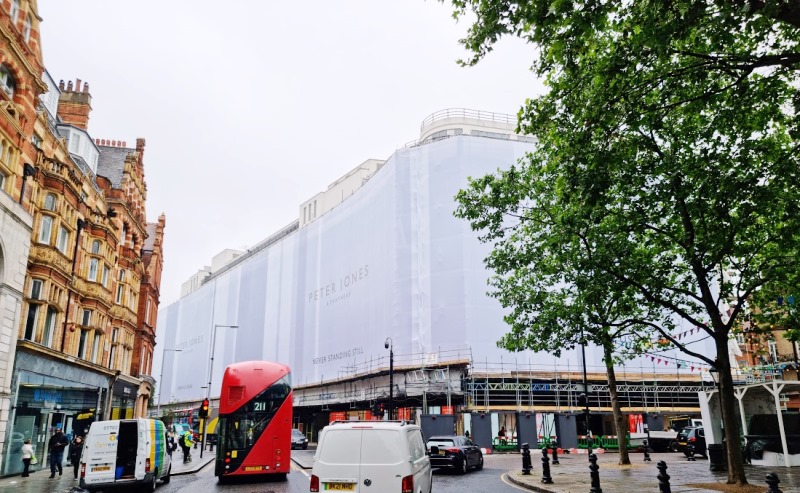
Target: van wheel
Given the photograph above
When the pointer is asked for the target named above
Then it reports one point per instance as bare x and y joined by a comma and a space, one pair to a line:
151, 486
464, 467
166, 478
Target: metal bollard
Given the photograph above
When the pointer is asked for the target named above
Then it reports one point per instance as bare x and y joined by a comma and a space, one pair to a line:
554, 444
546, 478
646, 453
526, 459
595, 474
663, 478
772, 481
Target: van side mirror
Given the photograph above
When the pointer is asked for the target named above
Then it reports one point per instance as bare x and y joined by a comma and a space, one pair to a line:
434, 450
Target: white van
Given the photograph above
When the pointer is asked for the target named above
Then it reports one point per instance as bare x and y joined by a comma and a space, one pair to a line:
122, 452
371, 457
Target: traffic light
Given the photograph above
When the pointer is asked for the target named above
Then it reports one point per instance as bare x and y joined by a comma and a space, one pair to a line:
204, 409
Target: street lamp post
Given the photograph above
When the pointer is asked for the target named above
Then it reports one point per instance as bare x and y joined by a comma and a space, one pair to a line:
161, 377
210, 370
387, 344
586, 396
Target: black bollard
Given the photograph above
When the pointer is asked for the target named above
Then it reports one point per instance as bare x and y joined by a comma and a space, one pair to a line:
772, 481
646, 453
546, 478
595, 474
663, 478
526, 459
554, 444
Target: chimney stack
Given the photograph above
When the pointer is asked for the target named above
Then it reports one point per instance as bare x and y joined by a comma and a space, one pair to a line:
74, 105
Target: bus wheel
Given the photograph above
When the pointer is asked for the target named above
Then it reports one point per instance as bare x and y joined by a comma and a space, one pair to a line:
282, 476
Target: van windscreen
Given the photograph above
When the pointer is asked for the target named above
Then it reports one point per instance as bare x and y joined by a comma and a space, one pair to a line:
383, 447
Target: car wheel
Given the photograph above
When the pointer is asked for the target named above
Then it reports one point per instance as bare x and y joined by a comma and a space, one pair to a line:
166, 478
480, 462
305, 446
673, 446
464, 467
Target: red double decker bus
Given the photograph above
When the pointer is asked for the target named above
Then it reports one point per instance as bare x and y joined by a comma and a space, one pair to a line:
255, 420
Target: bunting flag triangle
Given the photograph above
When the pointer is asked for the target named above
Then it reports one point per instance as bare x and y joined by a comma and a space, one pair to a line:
692, 368
659, 361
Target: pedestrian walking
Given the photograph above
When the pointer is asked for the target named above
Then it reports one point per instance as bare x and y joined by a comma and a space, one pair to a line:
76, 449
186, 445
28, 457
171, 445
55, 451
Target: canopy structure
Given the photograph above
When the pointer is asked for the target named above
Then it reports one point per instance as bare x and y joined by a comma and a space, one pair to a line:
771, 430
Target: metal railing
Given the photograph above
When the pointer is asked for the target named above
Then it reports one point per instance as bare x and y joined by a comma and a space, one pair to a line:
468, 113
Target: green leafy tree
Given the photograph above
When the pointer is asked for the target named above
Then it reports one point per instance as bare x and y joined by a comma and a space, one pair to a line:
668, 143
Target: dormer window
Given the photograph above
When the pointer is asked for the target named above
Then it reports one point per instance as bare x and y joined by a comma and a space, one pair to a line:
7, 82
27, 29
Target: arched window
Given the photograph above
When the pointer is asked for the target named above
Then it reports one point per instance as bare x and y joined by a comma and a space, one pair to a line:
27, 29
7, 82
50, 202
96, 247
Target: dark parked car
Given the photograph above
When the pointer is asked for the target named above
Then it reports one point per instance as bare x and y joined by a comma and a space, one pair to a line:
298, 439
692, 440
454, 452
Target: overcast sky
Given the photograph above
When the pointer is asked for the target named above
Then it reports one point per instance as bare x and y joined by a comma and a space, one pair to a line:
251, 107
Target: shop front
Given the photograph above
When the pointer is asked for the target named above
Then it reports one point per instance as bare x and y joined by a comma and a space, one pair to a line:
123, 399
49, 396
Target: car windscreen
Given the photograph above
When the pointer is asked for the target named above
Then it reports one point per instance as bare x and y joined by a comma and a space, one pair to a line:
441, 442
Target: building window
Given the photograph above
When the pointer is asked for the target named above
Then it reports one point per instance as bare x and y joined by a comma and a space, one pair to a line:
96, 247
49, 326
3, 180
63, 239
14, 11
105, 276
121, 276
113, 353
315, 208
74, 142
82, 344
37, 141
7, 82
93, 264
50, 202
27, 29
120, 289
36, 289
31, 321
147, 312
86, 320
96, 348
45, 229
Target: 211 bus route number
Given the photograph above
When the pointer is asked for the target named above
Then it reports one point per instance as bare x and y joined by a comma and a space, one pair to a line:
259, 406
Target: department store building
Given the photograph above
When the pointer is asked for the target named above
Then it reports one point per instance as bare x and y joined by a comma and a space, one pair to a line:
380, 258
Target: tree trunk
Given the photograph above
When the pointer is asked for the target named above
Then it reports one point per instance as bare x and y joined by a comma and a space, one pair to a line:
619, 419
734, 450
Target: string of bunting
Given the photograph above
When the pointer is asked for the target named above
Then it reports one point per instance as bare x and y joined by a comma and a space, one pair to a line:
666, 360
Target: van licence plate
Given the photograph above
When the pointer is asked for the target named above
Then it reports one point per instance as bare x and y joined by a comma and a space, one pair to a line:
340, 486
100, 468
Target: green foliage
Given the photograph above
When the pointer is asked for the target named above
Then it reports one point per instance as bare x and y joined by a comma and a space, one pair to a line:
664, 183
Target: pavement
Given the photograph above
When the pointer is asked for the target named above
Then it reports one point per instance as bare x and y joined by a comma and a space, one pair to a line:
39, 481
572, 475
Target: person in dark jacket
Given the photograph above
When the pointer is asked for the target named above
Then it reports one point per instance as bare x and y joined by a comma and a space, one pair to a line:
76, 448
55, 452
186, 445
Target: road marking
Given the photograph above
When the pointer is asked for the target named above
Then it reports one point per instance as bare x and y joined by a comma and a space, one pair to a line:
506, 481
298, 468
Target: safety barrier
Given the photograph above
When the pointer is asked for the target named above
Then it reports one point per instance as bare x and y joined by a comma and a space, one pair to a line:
504, 443
584, 441
546, 441
612, 442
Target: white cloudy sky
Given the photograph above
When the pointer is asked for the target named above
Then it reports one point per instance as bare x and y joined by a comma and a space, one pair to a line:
251, 107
